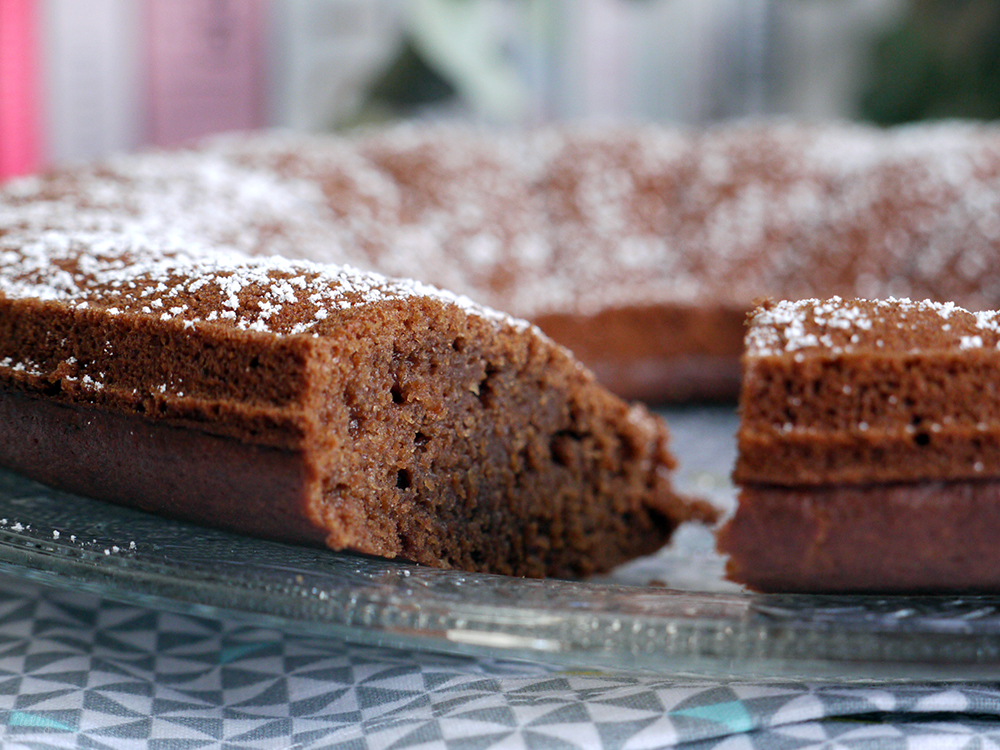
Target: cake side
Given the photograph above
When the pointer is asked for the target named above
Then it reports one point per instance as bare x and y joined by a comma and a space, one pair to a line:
910, 537
685, 350
209, 339
152, 465
243, 385
869, 391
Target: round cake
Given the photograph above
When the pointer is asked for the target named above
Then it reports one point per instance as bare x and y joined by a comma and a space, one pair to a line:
187, 330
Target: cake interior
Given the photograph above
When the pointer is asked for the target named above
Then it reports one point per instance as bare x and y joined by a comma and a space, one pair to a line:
483, 450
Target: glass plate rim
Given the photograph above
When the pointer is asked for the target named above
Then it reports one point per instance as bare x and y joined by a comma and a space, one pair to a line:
582, 624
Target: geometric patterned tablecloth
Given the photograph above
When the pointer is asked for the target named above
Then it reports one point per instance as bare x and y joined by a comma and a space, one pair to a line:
77, 671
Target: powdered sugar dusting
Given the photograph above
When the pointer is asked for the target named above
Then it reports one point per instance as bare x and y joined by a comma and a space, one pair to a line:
837, 326
131, 264
569, 219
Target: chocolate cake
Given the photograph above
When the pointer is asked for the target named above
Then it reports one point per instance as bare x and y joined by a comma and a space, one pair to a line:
869, 448
641, 248
315, 404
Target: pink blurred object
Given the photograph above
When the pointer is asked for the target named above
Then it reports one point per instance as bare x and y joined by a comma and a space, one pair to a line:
205, 66
20, 137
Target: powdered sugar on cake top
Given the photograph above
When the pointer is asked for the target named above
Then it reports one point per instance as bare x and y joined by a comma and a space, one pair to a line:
837, 326
271, 295
573, 220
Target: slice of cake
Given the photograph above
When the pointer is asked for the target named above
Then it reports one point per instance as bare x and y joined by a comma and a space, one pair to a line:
869, 448
317, 404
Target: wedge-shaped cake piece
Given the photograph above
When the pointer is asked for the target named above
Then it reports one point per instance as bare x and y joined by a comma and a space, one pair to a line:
319, 404
869, 448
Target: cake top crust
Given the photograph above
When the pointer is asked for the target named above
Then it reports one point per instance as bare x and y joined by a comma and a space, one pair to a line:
839, 326
569, 220
269, 295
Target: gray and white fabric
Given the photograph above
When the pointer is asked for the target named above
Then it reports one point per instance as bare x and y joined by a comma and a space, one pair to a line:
77, 671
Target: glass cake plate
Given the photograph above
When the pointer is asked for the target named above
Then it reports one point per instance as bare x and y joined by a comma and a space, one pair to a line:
670, 613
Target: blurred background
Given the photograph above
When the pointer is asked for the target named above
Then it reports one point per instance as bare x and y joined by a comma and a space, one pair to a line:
79, 80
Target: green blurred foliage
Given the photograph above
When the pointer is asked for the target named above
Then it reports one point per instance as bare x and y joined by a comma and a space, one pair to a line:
942, 61
409, 81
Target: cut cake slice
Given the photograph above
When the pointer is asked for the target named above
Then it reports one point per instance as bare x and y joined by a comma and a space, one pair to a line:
869, 448
319, 404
